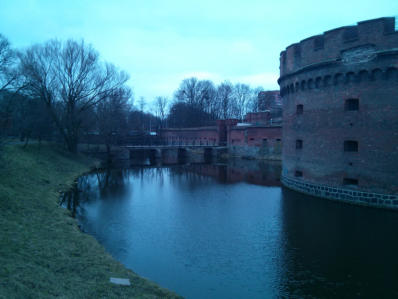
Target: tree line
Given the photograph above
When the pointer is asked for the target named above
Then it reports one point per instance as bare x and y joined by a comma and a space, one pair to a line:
63, 90
201, 102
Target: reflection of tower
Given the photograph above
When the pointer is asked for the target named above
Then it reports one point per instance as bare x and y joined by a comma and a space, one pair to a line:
329, 248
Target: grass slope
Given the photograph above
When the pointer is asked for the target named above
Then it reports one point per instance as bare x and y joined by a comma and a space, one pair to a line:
42, 252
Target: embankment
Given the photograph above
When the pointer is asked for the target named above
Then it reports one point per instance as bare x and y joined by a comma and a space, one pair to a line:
42, 252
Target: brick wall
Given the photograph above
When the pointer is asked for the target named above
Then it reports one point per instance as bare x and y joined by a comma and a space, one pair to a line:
345, 92
191, 136
256, 142
251, 141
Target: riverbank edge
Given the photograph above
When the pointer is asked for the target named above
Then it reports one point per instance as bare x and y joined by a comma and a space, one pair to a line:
42, 252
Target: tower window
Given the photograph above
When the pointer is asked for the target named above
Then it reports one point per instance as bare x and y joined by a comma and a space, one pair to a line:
350, 146
299, 144
350, 181
299, 109
351, 105
298, 174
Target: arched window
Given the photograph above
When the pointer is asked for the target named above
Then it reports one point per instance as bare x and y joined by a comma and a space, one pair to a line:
351, 105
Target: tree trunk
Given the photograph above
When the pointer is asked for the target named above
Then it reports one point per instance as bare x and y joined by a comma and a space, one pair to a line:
108, 153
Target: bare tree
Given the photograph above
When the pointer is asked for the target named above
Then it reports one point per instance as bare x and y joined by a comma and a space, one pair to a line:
197, 93
8, 74
253, 103
241, 94
142, 104
7, 78
70, 79
187, 92
112, 114
207, 97
224, 95
161, 104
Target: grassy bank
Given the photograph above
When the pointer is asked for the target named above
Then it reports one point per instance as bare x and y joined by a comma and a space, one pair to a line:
42, 252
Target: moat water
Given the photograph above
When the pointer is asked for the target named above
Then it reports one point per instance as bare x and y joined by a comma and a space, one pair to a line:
231, 231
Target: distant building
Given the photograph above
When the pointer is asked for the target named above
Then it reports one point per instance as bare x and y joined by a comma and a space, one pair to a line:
258, 137
269, 100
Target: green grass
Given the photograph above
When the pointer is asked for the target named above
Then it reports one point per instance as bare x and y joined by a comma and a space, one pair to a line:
43, 254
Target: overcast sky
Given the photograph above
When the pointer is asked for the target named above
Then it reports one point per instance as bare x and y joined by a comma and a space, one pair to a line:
159, 43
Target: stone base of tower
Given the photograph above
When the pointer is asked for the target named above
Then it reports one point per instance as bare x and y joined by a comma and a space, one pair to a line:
357, 197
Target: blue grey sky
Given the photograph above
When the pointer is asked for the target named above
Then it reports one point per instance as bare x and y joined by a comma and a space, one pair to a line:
159, 43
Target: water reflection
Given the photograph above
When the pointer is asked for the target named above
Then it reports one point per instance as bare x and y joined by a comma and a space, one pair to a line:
253, 172
336, 250
231, 231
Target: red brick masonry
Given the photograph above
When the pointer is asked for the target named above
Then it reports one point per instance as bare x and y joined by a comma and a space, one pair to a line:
340, 113
244, 139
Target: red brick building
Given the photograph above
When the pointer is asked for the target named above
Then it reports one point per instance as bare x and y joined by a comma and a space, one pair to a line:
340, 114
258, 140
191, 136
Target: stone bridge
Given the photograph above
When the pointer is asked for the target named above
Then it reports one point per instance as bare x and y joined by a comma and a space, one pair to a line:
170, 153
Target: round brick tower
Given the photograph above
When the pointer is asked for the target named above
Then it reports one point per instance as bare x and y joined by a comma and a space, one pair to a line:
340, 114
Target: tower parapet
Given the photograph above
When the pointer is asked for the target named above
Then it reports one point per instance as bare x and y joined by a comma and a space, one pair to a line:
378, 34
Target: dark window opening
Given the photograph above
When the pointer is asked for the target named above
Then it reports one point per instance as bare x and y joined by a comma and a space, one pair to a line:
251, 139
350, 181
299, 144
298, 174
351, 105
299, 109
350, 146
278, 140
